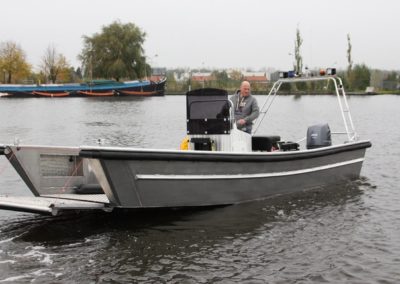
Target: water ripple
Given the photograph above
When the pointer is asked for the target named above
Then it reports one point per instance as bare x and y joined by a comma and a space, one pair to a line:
347, 234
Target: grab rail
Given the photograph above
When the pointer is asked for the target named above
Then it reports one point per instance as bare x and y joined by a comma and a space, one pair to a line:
340, 94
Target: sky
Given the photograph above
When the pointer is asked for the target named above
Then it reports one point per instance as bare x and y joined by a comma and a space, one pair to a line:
252, 34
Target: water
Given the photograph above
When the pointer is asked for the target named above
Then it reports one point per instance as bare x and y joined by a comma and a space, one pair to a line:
347, 234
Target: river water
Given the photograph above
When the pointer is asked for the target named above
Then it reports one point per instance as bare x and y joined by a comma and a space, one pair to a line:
346, 234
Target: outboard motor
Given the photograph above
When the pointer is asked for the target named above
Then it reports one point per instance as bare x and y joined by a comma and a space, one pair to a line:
318, 135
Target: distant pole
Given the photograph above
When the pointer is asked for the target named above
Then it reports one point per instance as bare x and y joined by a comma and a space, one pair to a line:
190, 80
297, 54
202, 69
155, 56
91, 69
350, 63
294, 64
145, 67
349, 59
90, 62
153, 60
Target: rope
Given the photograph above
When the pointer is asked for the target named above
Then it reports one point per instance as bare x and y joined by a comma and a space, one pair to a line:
70, 177
6, 164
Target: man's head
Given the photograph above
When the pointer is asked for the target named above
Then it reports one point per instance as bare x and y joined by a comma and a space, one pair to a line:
245, 88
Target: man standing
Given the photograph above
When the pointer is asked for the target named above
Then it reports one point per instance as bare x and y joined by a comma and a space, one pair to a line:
245, 107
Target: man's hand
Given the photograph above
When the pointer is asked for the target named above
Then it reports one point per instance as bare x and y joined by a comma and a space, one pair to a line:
241, 121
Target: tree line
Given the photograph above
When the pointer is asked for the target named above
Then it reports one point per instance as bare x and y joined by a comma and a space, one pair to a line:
114, 53
355, 77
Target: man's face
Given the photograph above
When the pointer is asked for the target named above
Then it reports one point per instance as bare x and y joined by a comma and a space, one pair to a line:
245, 89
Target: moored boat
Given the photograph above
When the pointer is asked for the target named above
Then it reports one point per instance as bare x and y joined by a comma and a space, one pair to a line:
95, 88
222, 165
97, 93
51, 94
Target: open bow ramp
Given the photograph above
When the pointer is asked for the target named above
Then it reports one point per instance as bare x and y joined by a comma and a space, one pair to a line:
54, 204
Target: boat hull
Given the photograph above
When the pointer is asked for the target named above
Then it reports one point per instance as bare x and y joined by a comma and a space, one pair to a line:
137, 178
134, 88
141, 179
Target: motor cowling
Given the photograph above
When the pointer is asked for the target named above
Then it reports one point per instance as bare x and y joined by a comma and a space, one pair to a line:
318, 135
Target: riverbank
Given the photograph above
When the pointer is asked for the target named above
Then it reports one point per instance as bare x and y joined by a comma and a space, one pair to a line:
355, 93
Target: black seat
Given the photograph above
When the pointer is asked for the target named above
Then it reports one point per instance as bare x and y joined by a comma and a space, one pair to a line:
264, 143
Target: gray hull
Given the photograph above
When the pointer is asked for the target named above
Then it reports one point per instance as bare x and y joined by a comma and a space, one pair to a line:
156, 178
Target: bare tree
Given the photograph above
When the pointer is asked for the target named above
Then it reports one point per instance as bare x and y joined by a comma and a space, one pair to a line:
53, 63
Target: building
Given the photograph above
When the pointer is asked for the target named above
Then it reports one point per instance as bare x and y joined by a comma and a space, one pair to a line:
202, 77
255, 77
157, 74
158, 71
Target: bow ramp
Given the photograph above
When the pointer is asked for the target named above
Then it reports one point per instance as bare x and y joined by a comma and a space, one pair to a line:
58, 179
55, 204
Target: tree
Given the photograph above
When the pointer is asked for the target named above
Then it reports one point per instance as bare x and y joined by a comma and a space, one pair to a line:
172, 84
377, 78
78, 73
116, 52
298, 68
391, 81
236, 75
360, 77
13, 62
67, 75
349, 60
221, 78
392, 76
54, 65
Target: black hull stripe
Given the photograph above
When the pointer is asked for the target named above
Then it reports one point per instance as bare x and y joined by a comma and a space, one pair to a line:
120, 154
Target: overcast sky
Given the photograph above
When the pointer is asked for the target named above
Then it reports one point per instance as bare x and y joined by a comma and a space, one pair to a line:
216, 33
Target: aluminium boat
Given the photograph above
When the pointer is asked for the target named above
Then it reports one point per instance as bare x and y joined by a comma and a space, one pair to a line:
221, 165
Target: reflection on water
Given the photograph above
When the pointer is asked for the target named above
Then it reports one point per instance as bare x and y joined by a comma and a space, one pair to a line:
200, 245
238, 218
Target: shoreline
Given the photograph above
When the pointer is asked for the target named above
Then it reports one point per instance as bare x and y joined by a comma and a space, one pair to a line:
359, 93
